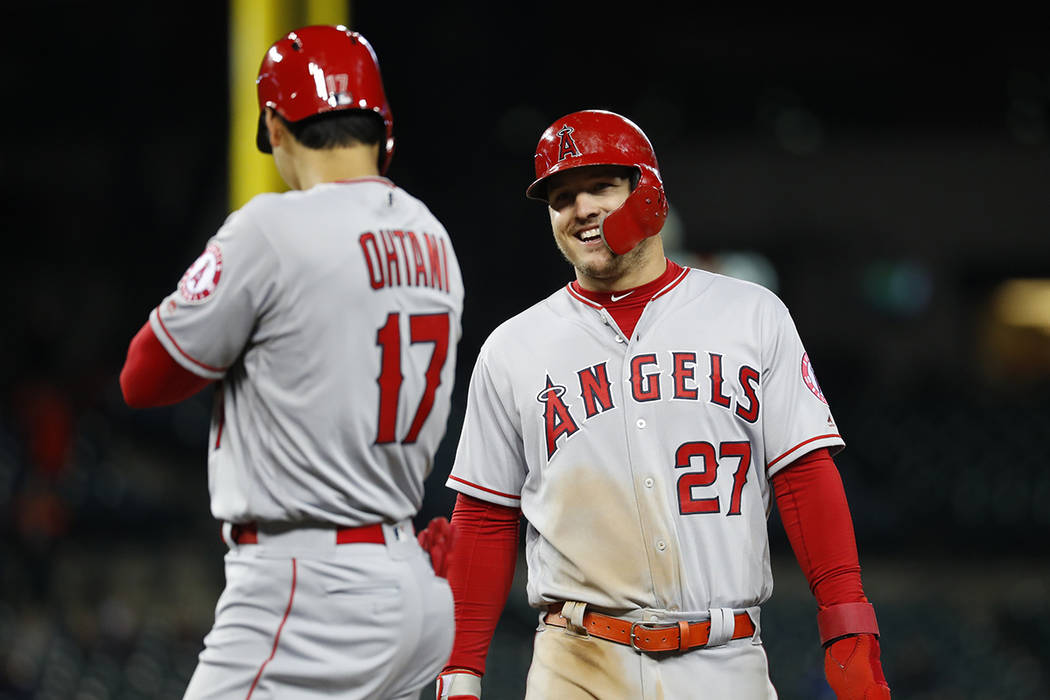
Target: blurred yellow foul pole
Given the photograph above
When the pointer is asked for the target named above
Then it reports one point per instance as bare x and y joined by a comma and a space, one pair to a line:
254, 25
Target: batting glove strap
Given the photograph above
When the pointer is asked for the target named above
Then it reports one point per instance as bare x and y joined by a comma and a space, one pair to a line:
845, 619
459, 685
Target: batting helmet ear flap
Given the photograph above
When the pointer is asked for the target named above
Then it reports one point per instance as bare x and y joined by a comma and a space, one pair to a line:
642, 214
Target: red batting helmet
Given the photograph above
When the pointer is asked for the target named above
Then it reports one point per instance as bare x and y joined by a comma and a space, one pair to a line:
597, 137
320, 69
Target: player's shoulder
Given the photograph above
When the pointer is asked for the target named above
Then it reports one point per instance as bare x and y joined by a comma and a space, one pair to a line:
729, 289
248, 225
539, 318
258, 209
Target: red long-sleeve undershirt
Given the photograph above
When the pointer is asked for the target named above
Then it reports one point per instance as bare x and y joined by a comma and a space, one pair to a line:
816, 517
813, 510
151, 377
480, 572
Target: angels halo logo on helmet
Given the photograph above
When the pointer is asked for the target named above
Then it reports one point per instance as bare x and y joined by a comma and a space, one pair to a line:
318, 69
599, 137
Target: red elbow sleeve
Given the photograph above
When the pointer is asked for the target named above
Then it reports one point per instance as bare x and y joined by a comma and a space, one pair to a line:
150, 377
816, 517
480, 572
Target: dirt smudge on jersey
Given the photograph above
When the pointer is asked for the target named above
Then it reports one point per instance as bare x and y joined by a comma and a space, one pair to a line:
606, 546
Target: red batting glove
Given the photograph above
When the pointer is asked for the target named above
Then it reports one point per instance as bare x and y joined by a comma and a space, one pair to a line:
437, 539
853, 669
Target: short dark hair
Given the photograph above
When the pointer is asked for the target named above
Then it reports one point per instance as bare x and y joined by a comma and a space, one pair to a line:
338, 129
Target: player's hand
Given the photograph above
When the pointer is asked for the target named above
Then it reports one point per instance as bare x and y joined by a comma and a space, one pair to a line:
853, 669
437, 539
458, 684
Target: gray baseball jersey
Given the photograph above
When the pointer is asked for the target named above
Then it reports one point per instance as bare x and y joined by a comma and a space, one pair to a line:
331, 316
642, 464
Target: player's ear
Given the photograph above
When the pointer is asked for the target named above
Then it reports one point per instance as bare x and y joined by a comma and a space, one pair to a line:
274, 127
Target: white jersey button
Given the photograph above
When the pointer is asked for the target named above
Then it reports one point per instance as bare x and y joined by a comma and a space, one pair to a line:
648, 482
640, 423
661, 545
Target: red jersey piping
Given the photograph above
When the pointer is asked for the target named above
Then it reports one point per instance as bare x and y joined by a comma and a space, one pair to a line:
183, 352
482, 488
673, 284
277, 637
804, 442
367, 178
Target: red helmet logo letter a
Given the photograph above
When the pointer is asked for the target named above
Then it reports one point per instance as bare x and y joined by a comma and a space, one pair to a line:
566, 147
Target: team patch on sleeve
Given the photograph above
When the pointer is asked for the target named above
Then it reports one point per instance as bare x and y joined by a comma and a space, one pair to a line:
202, 277
810, 378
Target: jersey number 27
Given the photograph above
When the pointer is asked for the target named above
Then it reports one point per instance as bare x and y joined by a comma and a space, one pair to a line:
423, 328
710, 460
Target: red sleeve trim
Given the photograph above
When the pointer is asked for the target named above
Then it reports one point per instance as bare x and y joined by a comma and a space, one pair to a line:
480, 572
815, 514
482, 488
183, 352
803, 444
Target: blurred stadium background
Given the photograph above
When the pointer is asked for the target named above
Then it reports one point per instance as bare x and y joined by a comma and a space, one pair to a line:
886, 175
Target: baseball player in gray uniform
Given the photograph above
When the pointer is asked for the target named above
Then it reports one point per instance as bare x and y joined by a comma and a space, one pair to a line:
329, 316
643, 418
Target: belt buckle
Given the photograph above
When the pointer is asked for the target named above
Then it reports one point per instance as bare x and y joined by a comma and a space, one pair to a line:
652, 627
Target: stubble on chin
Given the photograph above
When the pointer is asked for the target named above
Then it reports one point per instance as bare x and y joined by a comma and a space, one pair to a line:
608, 266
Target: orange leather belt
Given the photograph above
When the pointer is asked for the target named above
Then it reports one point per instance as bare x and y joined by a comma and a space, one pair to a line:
651, 637
248, 533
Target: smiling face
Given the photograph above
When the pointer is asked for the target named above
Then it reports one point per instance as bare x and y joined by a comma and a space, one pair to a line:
579, 199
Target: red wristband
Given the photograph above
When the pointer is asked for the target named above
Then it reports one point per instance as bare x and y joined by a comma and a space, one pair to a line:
844, 619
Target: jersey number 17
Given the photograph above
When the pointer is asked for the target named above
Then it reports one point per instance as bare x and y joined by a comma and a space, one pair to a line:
423, 328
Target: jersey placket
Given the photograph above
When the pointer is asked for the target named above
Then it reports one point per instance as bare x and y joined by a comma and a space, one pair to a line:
644, 449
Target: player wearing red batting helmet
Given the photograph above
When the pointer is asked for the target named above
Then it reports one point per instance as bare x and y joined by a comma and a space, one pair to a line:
644, 435
328, 317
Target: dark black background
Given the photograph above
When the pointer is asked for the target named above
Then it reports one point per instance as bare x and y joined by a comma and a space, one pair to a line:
836, 146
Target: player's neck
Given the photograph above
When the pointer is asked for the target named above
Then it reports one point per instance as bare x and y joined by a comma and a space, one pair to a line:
332, 164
